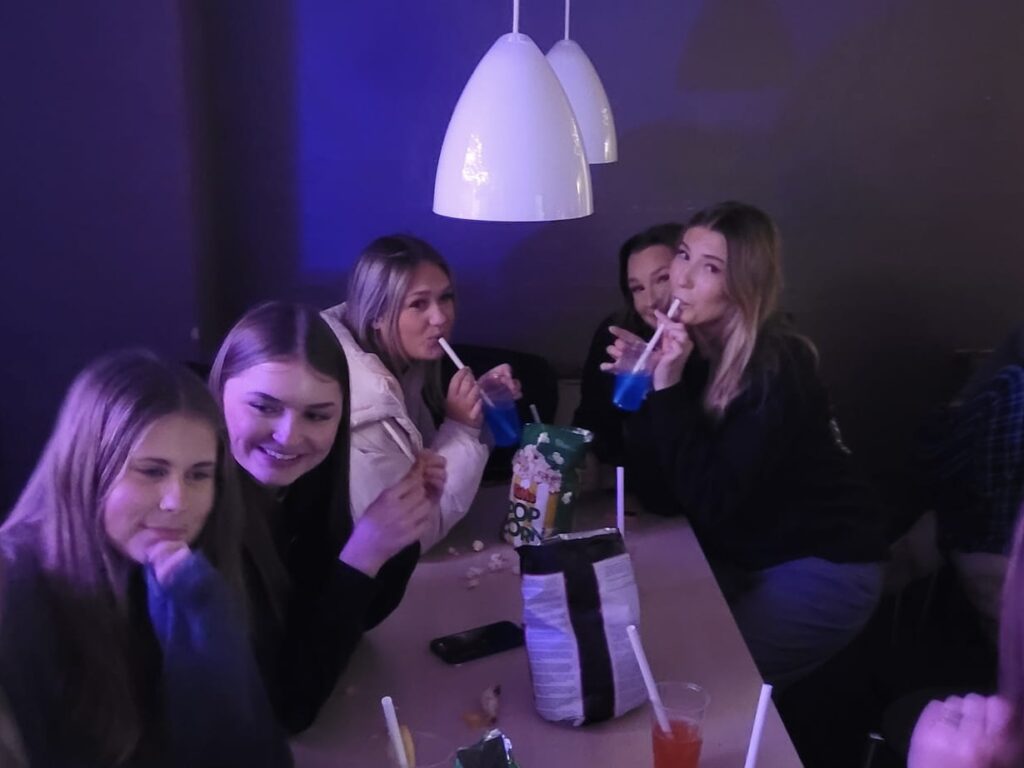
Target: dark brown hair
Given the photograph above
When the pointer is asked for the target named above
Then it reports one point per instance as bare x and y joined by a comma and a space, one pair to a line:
280, 330
661, 234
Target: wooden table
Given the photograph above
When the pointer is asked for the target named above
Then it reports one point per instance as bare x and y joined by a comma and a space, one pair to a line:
688, 632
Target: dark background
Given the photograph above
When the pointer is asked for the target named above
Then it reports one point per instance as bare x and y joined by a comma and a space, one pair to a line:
167, 164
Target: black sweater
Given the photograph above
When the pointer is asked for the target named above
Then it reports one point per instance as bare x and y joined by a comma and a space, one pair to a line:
327, 607
770, 481
201, 700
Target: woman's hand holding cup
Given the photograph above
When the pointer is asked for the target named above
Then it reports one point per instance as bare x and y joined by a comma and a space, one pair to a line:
464, 403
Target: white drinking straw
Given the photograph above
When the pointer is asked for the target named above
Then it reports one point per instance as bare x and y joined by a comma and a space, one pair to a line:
642, 360
460, 365
620, 500
755, 734
393, 731
535, 413
451, 353
645, 670
401, 443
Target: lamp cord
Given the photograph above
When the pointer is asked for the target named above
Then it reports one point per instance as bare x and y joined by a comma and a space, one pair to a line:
515, 16
567, 18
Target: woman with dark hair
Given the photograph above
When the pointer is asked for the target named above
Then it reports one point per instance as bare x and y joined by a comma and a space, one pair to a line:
977, 731
401, 301
745, 433
622, 438
316, 581
123, 640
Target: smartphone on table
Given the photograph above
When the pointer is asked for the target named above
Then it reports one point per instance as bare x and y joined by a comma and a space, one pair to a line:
477, 642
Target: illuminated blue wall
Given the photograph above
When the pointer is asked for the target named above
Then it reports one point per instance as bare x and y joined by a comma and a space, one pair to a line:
168, 164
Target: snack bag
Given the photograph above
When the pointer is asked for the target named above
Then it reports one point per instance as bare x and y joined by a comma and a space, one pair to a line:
545, 480
579, 595
494, 750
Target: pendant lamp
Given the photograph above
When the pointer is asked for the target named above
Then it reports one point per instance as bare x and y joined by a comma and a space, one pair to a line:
513, 150
588, 98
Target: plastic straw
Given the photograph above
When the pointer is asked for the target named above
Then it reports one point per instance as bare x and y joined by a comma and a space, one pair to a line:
642, 360
451, 353
393, 732
460, 365
645, 670
755, 734
401, 443
620, 500
535, 413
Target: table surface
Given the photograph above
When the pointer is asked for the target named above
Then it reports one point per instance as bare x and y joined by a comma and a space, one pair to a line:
688, 633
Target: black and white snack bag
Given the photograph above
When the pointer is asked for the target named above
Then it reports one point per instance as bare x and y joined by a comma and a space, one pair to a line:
579, 595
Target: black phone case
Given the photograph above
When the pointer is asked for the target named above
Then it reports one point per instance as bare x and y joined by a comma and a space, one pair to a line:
477, 642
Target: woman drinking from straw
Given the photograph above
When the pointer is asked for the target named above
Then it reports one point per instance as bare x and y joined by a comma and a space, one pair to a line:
744, 430
401, 305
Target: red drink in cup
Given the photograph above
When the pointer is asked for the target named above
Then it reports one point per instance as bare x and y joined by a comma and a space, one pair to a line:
680, 749
684, 705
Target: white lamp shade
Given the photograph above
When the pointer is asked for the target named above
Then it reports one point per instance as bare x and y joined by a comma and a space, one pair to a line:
588, 98
513, 151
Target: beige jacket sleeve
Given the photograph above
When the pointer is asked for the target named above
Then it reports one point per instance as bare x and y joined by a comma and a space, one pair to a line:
378, 462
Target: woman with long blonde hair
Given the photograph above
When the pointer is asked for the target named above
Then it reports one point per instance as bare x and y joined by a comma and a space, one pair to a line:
745, 433
400, 305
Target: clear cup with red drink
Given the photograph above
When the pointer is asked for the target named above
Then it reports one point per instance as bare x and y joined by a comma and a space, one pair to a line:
685, 705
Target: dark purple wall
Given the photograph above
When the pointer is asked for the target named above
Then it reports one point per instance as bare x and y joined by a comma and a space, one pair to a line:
98, 243
884, 136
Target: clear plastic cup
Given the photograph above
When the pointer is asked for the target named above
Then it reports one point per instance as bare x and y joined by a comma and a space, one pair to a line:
631, 387
500, 411
685, 705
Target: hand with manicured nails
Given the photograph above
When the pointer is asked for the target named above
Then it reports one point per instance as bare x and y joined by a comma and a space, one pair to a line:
463, 403
396, 519
970, 732
167, 557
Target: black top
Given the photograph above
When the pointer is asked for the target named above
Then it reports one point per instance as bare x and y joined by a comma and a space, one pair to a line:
201, 699
770, 481
621, 438
328, 606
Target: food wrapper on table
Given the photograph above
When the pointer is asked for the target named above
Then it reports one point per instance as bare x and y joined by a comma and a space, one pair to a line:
494, 750
545, 482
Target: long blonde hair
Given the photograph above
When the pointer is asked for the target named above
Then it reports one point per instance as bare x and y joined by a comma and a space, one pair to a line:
58, 523
753, 273
376, 290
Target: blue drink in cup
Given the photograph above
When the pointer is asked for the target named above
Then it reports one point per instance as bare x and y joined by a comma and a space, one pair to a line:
500, 412
630, 390
631, 383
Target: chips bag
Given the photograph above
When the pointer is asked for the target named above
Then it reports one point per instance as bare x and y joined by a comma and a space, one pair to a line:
579, 595
545, 480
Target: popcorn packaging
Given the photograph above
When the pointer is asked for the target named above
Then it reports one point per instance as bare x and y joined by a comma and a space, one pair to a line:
545, 481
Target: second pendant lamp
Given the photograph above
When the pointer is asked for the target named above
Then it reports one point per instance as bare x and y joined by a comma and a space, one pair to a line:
588, 98
513, 150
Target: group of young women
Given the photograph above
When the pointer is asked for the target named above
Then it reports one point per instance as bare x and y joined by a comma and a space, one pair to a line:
189, 568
